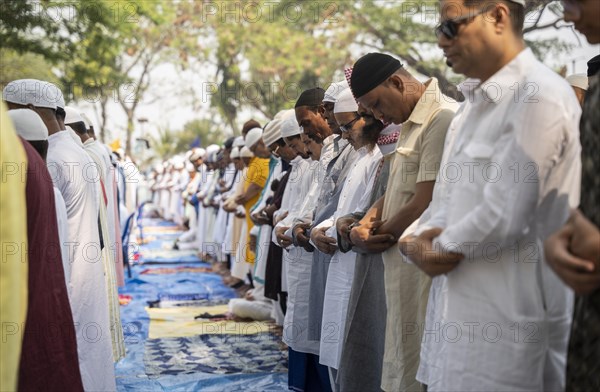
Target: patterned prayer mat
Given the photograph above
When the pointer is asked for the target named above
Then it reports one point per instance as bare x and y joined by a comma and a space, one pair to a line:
175, 270
217, 354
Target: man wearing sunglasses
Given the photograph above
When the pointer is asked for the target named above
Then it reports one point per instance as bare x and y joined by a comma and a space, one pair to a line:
509, 313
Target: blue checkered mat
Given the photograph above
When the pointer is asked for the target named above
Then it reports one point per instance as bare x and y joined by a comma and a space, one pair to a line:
198, 363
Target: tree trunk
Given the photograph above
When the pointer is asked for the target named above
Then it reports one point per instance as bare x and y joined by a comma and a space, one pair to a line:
130, 129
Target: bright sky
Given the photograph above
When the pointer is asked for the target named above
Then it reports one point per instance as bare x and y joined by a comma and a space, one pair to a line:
173, 107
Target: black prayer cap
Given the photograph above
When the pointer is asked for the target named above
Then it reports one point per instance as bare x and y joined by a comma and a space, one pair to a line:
370, 71
311, 97
229, 143
593, 66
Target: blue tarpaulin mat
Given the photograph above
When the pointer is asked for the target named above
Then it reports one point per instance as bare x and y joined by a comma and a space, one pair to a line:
133, 374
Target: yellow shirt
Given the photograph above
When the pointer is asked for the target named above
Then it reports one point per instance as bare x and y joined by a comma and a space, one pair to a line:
258, 172
13, 239
416, 159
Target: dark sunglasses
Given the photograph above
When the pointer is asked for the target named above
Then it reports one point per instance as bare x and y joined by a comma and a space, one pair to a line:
449, 28
347, 127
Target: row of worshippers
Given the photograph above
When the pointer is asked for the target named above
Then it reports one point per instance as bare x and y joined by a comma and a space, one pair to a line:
69, 193
412, 241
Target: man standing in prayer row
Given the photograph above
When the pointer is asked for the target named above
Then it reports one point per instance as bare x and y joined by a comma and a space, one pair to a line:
574, 251
102, 162
305, 371
68, 165
278, 166
358, 184
334, 176
254, 182
48, 360
382, 85
14, 266
362, 354
483, 240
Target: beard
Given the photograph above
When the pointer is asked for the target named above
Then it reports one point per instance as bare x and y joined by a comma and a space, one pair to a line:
370, 133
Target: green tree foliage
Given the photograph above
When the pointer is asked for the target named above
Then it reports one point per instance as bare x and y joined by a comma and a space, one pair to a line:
169, 142
264, 53
24, 66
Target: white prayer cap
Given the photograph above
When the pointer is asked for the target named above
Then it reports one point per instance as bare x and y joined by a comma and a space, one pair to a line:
290, 127
28, 124
239, 142
190, 167
335, 89
72, 116
246, 153
54, 94
253, 136
522, 2
212, 149
272, 131
345, 103
178, 163
86, 120
29, 92
197, 153
578, 80
235, 153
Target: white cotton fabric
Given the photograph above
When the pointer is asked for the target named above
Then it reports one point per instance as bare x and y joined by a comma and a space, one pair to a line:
512, 291
345, 103
30, 92
358, 185
253, 136
68, 165
28, 124
334, 90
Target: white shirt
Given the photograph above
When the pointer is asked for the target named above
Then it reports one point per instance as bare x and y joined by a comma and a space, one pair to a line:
296, 197
357, 186
63, 235
74, 174
500, 320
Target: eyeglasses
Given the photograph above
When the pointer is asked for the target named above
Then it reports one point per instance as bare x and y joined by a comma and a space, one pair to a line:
348, 127
449, 28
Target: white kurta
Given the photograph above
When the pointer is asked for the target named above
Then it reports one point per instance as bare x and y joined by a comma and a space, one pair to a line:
224, 218
297, 263
500, 320
116, 330
109, 184
358, 185
68, 163
63, 235
234, 230
263, 232
165, 196
303, 178
207, 178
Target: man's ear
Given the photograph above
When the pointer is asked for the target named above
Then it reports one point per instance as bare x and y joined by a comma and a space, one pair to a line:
501, 17
396, 82
321, 110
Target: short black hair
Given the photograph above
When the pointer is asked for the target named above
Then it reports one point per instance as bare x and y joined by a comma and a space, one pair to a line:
517, 12
250, 124
41, 146
60, 113
298, 135
79, 127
